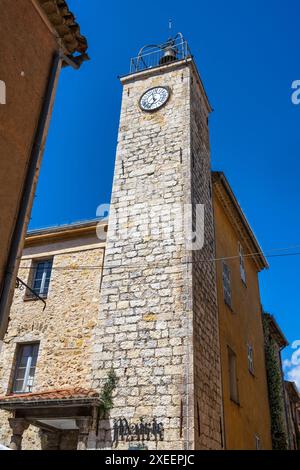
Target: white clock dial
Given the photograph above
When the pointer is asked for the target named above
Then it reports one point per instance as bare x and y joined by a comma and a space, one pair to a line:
154, 98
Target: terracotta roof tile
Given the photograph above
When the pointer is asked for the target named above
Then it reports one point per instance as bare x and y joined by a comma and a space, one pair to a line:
64, 22
59, 394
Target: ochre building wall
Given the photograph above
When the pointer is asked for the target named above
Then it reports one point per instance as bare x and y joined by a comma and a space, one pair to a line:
239, 326
27, 48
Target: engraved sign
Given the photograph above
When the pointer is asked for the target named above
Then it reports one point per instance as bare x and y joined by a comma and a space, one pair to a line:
142, 431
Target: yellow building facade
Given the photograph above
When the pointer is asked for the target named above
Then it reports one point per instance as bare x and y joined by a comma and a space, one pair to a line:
245, 390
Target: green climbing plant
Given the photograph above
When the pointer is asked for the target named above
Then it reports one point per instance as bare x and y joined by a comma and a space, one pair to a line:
276, 398
106, 395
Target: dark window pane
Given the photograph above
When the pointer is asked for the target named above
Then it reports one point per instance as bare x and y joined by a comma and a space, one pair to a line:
26, 350
37, 284
18, 386
20, 373
23, 361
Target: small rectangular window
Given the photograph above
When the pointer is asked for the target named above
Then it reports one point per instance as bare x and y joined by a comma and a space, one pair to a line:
250, 358
40, 277
25, 367
257, 443
233, 380
242, 264
227, 284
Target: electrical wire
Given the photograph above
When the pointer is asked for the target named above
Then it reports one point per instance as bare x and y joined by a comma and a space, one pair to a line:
135, 266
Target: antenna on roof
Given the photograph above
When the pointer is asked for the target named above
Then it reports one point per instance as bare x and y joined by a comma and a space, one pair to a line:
170, 24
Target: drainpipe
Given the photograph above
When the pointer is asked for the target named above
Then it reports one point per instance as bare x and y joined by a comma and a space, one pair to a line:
27, 193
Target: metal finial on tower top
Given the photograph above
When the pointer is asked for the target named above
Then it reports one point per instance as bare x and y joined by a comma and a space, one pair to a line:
154, 55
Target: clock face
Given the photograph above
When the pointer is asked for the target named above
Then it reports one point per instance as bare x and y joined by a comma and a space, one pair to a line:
154, 98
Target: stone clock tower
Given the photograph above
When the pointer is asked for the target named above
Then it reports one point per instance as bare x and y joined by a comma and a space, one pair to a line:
158, 318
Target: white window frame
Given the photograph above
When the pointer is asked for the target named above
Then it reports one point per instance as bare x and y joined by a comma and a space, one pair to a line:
226, 277
242, 263
27, 387
36, 262
250, 357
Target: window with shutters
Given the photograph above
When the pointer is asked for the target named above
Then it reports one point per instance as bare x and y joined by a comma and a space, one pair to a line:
2, 92
250, 358
242, 264
227, 284
233, 379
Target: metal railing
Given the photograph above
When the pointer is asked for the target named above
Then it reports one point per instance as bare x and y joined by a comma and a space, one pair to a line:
154, 55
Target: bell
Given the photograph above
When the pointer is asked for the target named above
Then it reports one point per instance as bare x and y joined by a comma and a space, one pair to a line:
169, 55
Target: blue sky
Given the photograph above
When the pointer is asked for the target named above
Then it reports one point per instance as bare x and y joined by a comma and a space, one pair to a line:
248, 57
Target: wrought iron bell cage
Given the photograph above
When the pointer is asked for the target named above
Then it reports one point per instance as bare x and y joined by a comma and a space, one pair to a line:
155, 55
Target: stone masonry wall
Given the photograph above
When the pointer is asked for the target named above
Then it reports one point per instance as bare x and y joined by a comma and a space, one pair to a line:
207, 368
141, 330
64, 329
145, 325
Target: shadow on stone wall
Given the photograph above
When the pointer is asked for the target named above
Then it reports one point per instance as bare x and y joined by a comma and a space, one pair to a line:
59, 440
104, 437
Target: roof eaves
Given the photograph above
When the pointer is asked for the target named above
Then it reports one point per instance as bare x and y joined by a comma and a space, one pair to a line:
14, 403
293, 390
66, 227
71, 231
68, 30
220, 176
282, 341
